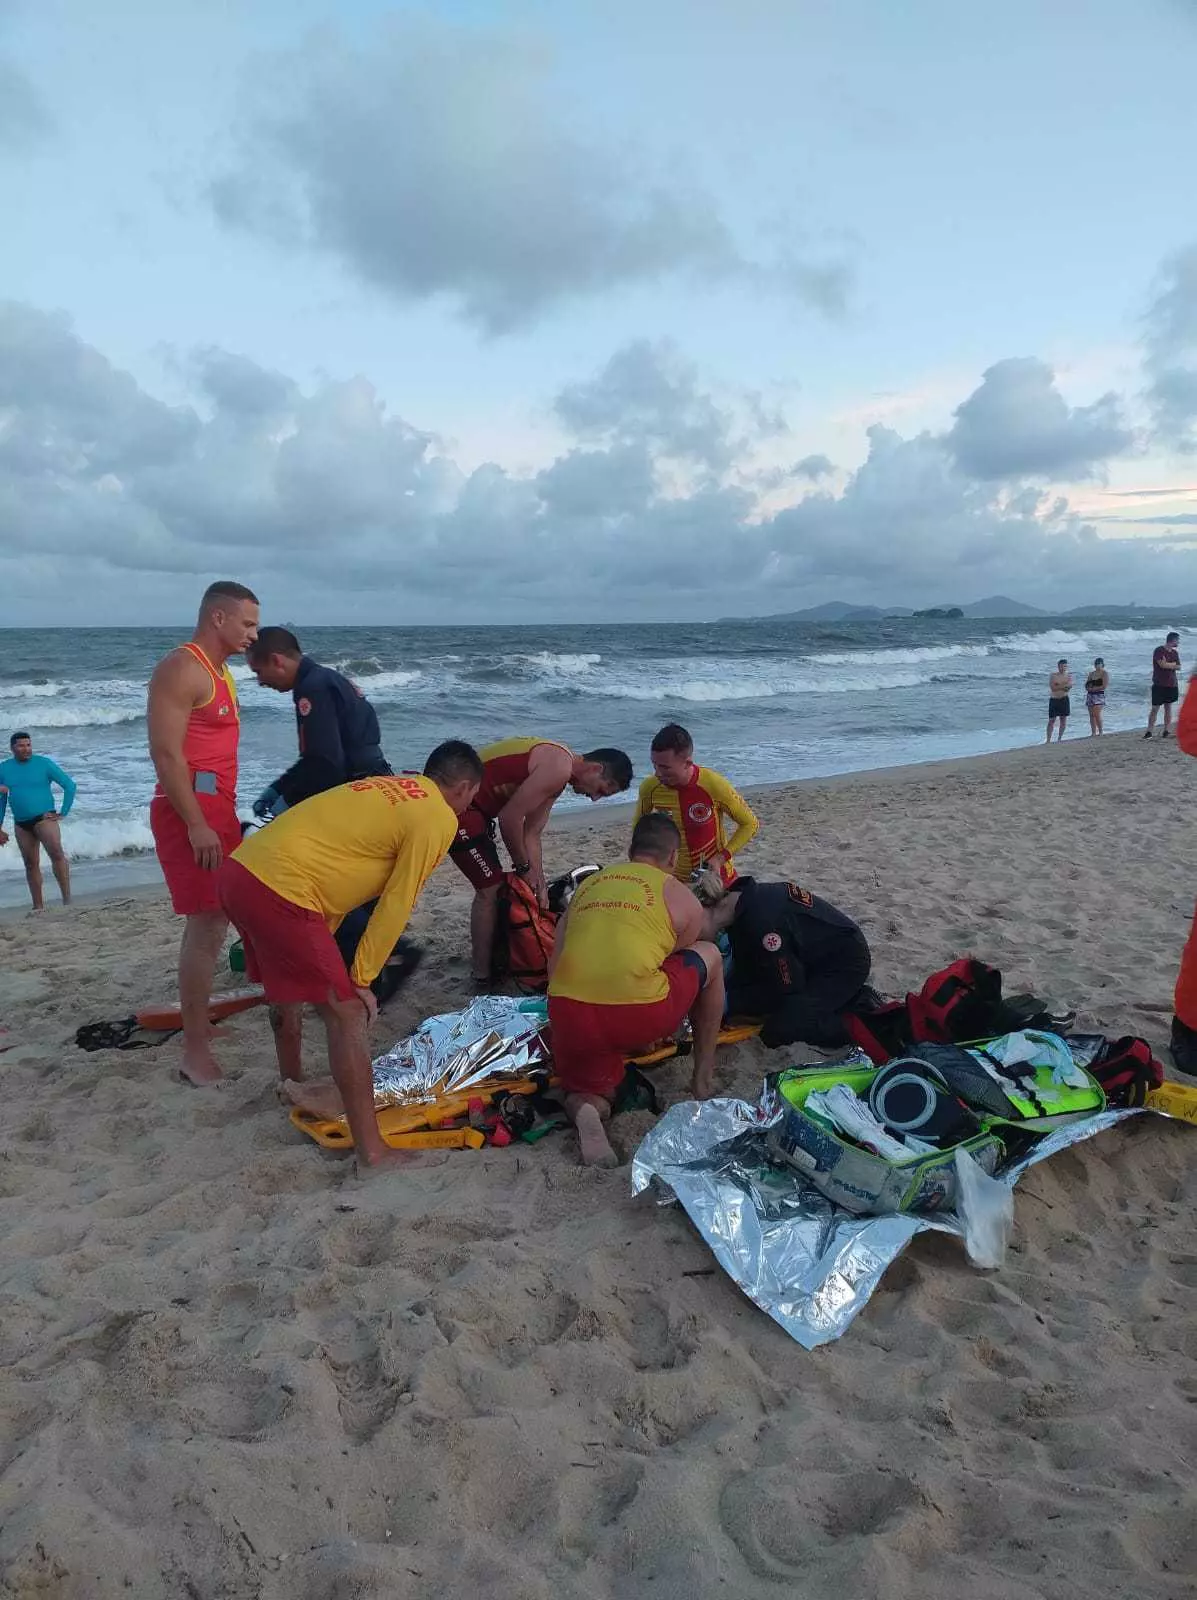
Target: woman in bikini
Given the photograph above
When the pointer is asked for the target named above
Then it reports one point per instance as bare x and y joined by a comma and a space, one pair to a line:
1096, 684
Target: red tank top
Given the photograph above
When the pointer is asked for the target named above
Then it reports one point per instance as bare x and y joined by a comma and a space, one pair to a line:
213, 729
505, 767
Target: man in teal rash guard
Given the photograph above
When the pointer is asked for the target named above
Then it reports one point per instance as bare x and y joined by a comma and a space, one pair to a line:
25, 781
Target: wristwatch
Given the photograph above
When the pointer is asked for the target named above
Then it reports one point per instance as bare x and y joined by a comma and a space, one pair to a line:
521, 868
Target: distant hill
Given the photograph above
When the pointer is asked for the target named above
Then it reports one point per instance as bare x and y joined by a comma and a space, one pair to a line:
1001, 605
832, 611
996, 606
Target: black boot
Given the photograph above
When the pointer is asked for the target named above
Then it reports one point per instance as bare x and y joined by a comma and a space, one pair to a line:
1184, 1047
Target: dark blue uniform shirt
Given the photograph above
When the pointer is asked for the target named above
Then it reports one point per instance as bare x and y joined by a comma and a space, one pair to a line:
339, 738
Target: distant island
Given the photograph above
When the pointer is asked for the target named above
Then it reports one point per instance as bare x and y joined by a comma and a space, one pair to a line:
997, 606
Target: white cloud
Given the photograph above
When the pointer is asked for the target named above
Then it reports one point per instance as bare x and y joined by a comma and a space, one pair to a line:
331, 504
1170, 346
439, 161
1017, 424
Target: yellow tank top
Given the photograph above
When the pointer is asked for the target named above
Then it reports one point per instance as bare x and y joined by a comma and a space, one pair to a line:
618, 935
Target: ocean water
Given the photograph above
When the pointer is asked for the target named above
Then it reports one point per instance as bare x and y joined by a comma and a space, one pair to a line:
764, 701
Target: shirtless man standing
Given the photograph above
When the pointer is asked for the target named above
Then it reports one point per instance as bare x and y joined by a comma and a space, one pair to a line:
194, 727
523, 778
1059, 705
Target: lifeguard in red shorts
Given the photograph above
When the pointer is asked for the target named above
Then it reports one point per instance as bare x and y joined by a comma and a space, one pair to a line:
628, 966
194, 727
523, 780
288, 887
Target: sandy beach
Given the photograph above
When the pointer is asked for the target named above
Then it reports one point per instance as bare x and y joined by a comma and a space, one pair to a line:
230, 1370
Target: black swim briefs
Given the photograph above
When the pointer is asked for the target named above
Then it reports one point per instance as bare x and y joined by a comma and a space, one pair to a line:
30, 824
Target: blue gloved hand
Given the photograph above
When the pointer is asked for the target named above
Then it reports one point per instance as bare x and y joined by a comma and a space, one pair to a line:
269, 803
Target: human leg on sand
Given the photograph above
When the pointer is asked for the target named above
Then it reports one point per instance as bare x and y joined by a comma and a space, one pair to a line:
203, 936
321, 1099
50, 834
484, 912
592, 1043
345, 1024
475, 854
31, 857
590, 1114
286, 1023
1051, 728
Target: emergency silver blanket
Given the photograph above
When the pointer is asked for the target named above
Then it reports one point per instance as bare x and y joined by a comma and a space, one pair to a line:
809, 1264
493, 1039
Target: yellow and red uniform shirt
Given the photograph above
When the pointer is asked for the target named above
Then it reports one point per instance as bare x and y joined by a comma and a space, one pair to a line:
373, 839
698, 809
505, 768
618, 933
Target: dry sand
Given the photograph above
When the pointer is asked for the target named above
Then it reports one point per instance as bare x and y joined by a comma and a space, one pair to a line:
231, 1371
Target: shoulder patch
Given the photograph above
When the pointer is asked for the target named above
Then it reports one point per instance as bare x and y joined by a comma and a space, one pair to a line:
803, 897
303, 706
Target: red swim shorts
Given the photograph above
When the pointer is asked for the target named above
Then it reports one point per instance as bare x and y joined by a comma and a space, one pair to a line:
474, 849
288, 949
192, 890
591, 1044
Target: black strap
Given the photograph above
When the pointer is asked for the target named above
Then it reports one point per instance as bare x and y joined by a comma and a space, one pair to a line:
1022, 1075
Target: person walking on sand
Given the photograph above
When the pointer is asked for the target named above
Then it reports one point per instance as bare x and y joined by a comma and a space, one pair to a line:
1059, 705
25, 781
1165, 665
194, 728
1097, 682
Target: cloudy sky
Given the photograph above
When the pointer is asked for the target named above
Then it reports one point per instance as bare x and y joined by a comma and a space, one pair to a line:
594, 311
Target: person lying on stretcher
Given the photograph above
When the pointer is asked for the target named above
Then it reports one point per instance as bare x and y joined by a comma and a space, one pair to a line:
796, 961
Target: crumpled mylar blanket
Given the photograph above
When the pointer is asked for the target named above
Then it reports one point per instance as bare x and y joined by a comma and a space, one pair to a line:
493, 1039
809, 1264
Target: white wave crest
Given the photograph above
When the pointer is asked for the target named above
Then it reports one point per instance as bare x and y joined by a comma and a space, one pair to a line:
554, 661
709, 690
1068, 638
381, 682
899, 657
97, 838
79, 716
29, 691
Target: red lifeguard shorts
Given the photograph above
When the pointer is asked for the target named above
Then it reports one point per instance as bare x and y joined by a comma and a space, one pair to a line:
192, 890
591, 1044
289, 950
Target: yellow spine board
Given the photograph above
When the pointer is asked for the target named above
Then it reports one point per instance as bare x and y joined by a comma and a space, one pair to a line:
1174, 1100
395, 1123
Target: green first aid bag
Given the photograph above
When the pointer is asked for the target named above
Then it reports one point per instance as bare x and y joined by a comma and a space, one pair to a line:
857, 1179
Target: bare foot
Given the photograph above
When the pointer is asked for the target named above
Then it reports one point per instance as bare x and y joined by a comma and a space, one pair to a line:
592, 1139
200, 1066
317, 1099
702, 1084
